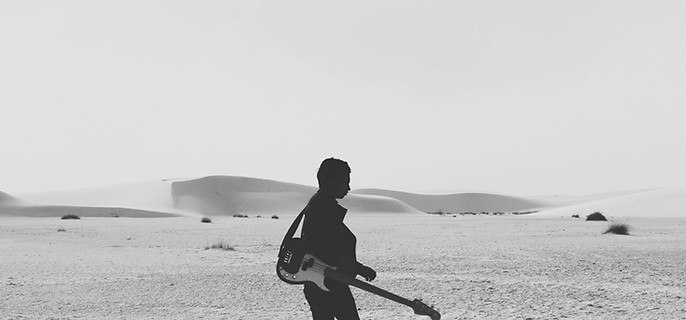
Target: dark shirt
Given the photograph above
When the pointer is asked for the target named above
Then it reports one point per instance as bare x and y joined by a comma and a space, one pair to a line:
325, 234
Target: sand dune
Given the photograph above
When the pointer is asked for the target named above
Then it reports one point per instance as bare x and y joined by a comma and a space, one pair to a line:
557, 201
141, 200
43, 211
230, 195
13, 206
7, 200
663, 203
227, 195
211, 196
460, 202
147, 195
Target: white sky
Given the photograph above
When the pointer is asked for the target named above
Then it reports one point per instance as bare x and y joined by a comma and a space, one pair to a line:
518, 97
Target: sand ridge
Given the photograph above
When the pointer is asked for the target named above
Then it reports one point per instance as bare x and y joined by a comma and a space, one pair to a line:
232, 195
459, 202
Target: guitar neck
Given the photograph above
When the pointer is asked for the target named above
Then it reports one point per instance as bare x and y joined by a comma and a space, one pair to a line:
340, 277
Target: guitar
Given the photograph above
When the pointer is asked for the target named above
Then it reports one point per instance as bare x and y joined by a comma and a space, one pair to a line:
295, 266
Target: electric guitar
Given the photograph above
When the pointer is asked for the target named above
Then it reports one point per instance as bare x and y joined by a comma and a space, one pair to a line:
295, 266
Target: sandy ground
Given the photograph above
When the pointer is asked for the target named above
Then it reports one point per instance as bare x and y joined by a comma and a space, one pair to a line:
468, 267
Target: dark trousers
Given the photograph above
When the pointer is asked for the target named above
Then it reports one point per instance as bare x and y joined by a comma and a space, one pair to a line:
325, 305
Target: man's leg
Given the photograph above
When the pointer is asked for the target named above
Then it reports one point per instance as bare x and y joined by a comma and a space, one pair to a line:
345, 307
338, 302
319, 304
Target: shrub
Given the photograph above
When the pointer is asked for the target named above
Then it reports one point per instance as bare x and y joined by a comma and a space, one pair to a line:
519, 213
275, 217
70, 216
618, 228
596, 216
206, 220
439, 212
240, 216
220, 245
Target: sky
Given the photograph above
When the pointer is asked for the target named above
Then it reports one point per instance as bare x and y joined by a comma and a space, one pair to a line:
513, 97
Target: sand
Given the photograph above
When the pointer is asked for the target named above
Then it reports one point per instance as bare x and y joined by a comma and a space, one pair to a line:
468, 267
139, 251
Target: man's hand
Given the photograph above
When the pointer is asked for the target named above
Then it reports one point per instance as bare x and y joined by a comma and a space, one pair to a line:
366, 272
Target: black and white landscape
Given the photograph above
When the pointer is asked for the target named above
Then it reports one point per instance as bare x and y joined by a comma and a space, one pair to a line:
153, 154
142, 251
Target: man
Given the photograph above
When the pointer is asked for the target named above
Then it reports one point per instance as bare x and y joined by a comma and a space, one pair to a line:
329, 239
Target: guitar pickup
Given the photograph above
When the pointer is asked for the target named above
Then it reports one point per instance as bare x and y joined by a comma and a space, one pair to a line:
308, 264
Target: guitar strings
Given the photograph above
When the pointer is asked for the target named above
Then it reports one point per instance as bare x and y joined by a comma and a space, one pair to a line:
320, 267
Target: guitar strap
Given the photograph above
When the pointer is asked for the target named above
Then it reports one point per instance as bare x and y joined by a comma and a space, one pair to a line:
292, 229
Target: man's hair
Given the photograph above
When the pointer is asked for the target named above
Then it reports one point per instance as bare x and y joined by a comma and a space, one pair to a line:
332, 170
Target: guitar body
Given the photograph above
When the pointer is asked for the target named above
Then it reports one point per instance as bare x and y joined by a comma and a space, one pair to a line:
297, 267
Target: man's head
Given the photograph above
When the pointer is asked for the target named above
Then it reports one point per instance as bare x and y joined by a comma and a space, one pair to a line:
334, 177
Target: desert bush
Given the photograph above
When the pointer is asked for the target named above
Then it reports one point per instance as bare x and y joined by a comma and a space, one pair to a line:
439, 212
206, 220
70, 216
596, 216
275, 217
519, 213
220, 245
618, 228
240, 216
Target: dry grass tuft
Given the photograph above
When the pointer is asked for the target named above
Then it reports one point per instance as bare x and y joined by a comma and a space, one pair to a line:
220, 245
618, 228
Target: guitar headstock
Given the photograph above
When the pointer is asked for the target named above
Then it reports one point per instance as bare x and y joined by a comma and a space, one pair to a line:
422, 309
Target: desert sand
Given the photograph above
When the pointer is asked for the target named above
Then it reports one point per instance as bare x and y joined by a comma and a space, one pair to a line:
139, 251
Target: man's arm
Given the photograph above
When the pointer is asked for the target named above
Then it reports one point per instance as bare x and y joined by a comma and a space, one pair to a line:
366, 272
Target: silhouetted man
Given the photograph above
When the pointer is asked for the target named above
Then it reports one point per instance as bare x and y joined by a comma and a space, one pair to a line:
329, 239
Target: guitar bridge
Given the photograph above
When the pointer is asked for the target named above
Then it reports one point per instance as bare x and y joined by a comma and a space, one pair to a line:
287, 257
